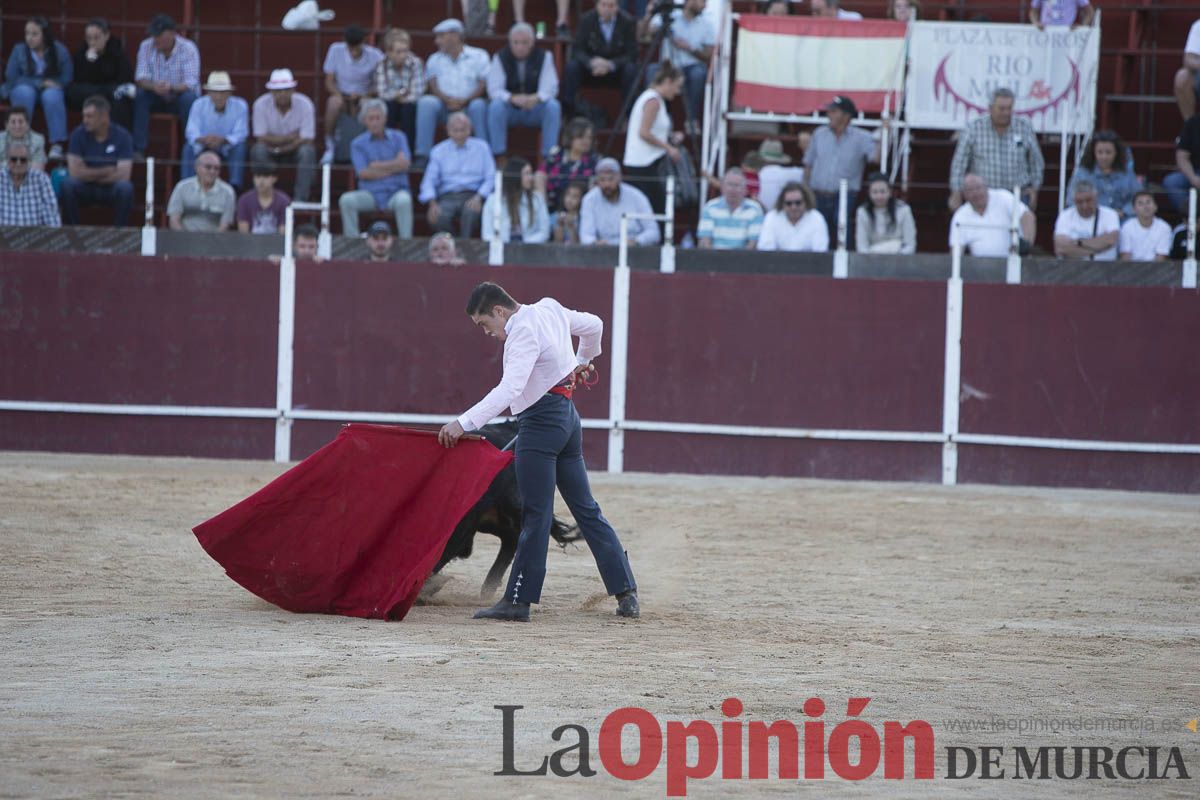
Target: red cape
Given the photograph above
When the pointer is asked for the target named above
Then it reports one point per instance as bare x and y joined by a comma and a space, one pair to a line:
356, 527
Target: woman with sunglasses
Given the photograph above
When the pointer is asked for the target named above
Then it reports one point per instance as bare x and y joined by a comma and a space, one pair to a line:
795, 225
1108, 165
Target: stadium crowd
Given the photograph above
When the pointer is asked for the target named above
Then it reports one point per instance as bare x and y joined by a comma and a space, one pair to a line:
385, 110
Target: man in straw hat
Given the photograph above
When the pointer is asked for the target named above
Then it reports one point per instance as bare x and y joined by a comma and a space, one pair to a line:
220, 122
285, 126
776, 171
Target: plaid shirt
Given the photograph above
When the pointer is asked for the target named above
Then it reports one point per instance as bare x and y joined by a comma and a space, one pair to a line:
1003, 160
182, 66
402, 85
33, 204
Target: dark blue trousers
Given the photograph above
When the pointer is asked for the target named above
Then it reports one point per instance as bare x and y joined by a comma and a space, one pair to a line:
549, 453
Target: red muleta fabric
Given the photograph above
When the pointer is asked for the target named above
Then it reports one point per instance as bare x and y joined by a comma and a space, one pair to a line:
357, 527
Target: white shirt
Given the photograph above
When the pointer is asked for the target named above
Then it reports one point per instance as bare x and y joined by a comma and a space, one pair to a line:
1073, 226
809, 234
639, 152
986, 241
458, 77
537, 357
1193, 40
771, 180
1145, 244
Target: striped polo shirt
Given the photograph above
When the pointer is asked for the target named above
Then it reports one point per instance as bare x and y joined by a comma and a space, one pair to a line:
730, 229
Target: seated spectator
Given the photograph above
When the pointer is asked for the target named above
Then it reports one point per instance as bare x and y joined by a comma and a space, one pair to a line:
304, 243
838, 151
1087, 229
522, 86
263, 209
1187, 158
795, 224
1144, 237
381, 158
443, 251
731, 221
903, 10
1104, 165
456, 80
689, 47
602, 207
168, 78
39, 70
99, 162
832, 9
102, 67
1187, 79
380, 241
1001, 149
284, 129
564, 223
981, 224
16, 129
349, 69
884, 224
649, 141
460, 175
775, 172
26, 195
573, 160
1068, 13
520, 212
218, 122
605, 52
204, 202
400, 82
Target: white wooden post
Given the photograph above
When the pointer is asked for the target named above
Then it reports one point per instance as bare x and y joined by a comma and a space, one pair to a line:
496, 246
149, 232
841, 259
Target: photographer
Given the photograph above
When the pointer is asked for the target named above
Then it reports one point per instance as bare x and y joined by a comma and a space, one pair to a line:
688, 39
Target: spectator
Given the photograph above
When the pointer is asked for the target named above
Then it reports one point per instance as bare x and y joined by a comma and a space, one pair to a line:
777, 8
381, 158
1001, 149
460, 175
838, 151
795, 224
731, 221
99, 162
1087, 229
455, 78
168, 78
1187, 79
400, 82
16, 129
565, 223
102, 67
1144, 237
380, 241
285, 128
263, 209
26, 195
1105, 166
832, 9
884, 224
775, 172
443, 251
349, 67
573, 160
39, 69
523, 87
981, 224
903, 10
602, 207
218, 122
1187, 157
649, 140
204, 202
605, 52
1060, 12
689, 47
560, 21
304, 243
519, 211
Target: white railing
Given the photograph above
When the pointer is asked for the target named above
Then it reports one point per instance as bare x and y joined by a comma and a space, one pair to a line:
496, 246
841, 256
1189, 263
666, 253
149, 232
1012, 271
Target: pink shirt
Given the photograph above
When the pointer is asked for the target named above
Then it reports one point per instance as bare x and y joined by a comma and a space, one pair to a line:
537, 356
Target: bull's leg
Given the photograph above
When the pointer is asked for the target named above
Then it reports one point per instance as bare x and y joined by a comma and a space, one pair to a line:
432, 586
508, 546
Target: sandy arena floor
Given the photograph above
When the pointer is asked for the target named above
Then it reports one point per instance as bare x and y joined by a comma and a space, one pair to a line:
132, 667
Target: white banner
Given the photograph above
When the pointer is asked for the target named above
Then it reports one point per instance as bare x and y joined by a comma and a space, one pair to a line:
955, 66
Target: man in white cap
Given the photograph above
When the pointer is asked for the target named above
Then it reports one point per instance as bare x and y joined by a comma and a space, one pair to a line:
285, 125
455, 80
220, 122
600, 213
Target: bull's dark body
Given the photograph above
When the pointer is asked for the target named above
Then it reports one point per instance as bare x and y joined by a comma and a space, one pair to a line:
498, 512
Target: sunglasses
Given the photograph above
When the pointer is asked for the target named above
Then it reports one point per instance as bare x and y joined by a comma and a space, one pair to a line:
18, 160
793, 202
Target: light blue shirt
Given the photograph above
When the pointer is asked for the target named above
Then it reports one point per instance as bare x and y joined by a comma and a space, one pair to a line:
353, 75
365, 148
730, 229
470, 168
458, 77
204, 120
698, 32
535, 225
600, 219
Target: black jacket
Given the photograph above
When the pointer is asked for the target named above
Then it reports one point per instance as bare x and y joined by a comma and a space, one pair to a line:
590, 43
110, 69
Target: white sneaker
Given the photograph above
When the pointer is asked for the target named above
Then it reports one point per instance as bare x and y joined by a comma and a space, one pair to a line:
56, 153
328, 157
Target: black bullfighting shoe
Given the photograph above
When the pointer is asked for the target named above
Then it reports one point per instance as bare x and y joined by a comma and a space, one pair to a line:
627, 605
505, 610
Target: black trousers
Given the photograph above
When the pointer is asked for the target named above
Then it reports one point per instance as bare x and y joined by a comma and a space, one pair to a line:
579, 74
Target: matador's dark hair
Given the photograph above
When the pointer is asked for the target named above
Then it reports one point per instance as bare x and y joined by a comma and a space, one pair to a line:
487, 296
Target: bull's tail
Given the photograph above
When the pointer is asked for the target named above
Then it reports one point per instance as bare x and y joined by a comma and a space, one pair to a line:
563, 533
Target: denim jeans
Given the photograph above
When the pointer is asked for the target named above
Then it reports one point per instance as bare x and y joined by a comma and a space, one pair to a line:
503, 115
